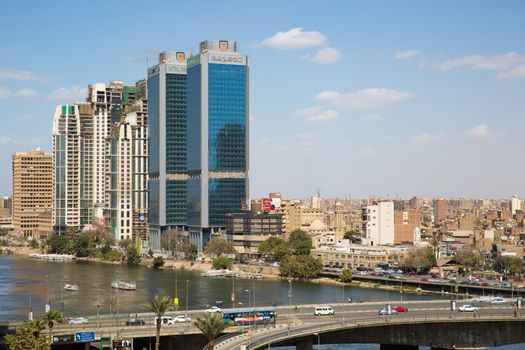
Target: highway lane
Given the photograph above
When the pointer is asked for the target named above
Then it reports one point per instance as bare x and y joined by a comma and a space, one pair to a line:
303, 315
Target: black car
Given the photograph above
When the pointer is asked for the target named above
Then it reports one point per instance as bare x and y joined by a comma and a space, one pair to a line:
134, 322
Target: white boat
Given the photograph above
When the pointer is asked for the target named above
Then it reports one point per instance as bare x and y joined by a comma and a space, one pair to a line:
71, 287
118, 284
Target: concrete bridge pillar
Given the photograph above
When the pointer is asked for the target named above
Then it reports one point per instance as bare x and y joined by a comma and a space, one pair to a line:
304, 344
398, 347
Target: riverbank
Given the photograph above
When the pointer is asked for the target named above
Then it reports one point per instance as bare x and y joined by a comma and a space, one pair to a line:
244, 271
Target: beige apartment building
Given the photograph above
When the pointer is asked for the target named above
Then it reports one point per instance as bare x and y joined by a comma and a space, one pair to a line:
32, 193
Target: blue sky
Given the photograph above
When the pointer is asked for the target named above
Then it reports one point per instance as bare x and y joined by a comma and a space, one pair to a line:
356, 98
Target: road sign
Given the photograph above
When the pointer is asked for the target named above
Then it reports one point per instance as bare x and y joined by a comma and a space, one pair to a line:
82, 337
105, 343
176, 301
66, 338
122, 344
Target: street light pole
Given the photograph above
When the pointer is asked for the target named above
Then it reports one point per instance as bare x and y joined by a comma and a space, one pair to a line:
187, 294
176, 291
289, 305
248, 291
343, 303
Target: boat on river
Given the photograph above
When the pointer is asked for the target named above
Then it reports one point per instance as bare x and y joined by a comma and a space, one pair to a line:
118, 284
71, 287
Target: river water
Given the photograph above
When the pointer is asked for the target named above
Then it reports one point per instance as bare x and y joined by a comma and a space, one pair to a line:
25, 283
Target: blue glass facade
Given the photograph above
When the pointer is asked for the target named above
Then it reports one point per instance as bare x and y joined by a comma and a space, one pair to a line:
176, 123
225, 196
194, 118
227, 117
153, 202
176, 202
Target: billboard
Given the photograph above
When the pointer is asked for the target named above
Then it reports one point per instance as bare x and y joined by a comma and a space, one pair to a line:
270, 204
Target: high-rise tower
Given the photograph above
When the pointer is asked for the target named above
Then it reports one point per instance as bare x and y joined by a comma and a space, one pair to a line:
218, 110
167, 144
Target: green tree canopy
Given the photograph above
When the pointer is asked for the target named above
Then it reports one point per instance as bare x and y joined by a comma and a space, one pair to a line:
346, 276
351, 233
219, 246
300, 242
508, 264
58, 244
28, 336
421, 259
470, 258
52, 317
158, 262
269, 244
222, 262
211, 326
83, 245
300, 266
132, 256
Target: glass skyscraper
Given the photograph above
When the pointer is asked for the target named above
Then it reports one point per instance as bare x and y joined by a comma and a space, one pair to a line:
217, 137
167, 137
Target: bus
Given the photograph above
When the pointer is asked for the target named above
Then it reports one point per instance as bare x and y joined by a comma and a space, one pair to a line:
240, 317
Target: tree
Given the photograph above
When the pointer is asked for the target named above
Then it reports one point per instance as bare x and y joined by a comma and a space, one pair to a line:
268, 245
211, 326
158, 262
132, 256
125, 243
159, 306
418, 260
83, 245
222, 262
52, 317
346, 276
100, 232
469, 258
300, 242
219, 246
28, 336
300, 266
508, 264
57, 244
190, 251
349, 234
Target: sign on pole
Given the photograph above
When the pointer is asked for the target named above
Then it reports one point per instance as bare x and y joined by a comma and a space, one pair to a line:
122, 344
82, 337
66, 338
176, 301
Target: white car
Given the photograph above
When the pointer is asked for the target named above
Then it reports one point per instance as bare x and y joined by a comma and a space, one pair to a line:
385, 311
182, 319
214, 309
498, 301
467, 308
78, 320
164, 320
323, 310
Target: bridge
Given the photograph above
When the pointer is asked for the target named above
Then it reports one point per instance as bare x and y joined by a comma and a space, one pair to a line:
428, 322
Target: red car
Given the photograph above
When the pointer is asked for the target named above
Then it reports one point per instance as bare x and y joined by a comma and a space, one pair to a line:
400, 308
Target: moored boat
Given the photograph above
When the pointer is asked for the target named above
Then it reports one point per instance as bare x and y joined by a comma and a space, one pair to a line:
118, 284
71, 287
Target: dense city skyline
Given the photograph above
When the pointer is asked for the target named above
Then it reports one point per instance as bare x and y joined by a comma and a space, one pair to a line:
356, 99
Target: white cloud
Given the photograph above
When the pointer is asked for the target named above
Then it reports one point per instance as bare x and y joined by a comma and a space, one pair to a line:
365, 99
481, 131
373, 117
26, 117
295, 38
515, 72
72, 94
4, 93
25, 93
13, 74
424, 137
368, 152
317, 115
481, 62
327, 55
401, 55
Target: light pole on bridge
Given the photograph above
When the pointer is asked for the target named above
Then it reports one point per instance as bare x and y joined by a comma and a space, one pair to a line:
318, 340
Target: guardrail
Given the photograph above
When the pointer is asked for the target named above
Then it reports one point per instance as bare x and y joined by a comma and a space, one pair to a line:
261, 340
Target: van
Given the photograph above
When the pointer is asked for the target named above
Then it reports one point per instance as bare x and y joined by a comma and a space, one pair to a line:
323, 310
165, 320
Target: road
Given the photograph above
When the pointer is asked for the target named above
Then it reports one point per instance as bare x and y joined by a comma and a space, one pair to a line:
302, 315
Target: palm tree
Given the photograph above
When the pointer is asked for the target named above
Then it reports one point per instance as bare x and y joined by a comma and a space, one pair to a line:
36, 326
158, 306
51, 318
211, 326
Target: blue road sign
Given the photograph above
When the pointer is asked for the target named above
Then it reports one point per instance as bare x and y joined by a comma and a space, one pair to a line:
81, 337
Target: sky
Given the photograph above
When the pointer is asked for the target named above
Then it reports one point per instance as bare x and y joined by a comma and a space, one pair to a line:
354, 98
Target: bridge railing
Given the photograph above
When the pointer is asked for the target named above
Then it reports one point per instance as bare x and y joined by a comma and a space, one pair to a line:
284, 333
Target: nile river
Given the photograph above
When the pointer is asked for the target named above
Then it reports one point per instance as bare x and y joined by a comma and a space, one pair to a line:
26, 283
